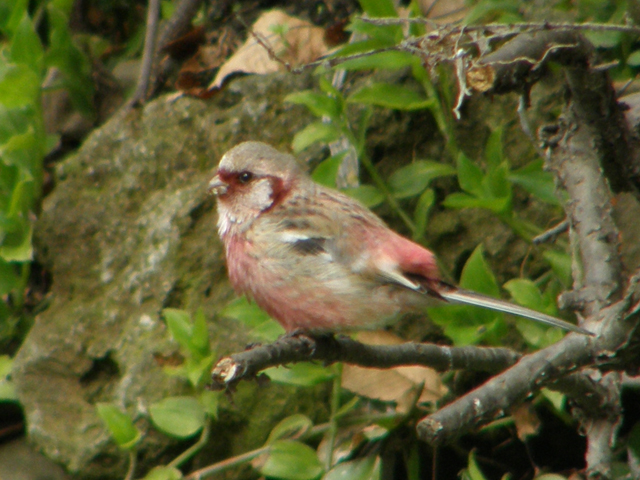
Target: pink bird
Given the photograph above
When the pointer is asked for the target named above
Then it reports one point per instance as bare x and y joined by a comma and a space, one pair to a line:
316, 259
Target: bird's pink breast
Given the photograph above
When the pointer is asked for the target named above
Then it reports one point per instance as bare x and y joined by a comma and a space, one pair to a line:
305, 302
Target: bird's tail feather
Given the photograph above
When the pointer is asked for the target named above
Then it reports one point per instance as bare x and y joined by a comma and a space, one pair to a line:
458, 295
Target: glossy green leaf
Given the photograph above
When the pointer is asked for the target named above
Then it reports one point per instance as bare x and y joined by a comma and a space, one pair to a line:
378, 8
7, 388
421, 213
526, 293
462, 200
12, 13
315, 132
368, 195
633, 60
469, 175
210, 401
327, 170
198, 368
473, 471
319, 104
179, 325
496, 186
180, 417
19, 86
17, 246
120, 426
557, 399
381, 60
390, 96
551, 476
477, 276
262, 326
561, 265
291, 460
412, 179
163, 472
536, 181
69, 59
200, 334
26, 47
367, 468
290, 427
303, 374
493, 149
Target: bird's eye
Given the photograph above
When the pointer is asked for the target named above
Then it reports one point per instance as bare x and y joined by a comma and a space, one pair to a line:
245, 177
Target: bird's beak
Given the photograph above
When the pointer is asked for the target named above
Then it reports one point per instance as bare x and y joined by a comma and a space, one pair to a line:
217, 186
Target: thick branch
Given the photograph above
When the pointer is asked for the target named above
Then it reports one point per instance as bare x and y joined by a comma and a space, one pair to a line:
330, 349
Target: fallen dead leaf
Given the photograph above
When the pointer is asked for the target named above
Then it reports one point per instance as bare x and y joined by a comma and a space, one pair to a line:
292, 40
393, 384
526, 420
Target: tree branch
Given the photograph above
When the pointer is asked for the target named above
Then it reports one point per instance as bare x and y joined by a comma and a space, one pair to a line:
329, 349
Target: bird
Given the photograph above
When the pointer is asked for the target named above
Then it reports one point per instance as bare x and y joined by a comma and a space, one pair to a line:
317, 260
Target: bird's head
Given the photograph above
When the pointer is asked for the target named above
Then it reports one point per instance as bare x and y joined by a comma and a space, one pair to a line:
252, 177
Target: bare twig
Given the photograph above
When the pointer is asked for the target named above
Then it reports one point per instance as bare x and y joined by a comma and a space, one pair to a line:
552, 233
332, 349
148, 55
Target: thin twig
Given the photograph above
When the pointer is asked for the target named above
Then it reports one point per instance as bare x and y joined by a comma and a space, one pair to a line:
552, 233
148, 55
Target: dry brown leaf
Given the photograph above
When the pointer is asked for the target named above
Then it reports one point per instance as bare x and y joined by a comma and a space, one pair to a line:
394, 384
526, 420
293, 40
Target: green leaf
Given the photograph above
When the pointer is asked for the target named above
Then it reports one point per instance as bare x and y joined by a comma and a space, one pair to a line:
536, 181
291, 460
493, 149
390, 96
303, 374
262, 326
70, 60
368, 195
163, 472
556, 399
179, 325
26, 47
327, 170
462, 200
17, 247
477, 276
633, 60
378, 8
290, 427
473, 471
210, 401
317, 103
19, 86
7, 388
200, 334
367, 468
380, 60
198, 368
469, 175
412, 179
315, 132
179, 417
561, 265
527, 293
421, 213
496, 186
120, 426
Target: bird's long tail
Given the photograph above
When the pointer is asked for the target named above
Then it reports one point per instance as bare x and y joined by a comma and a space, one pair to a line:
458, 295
